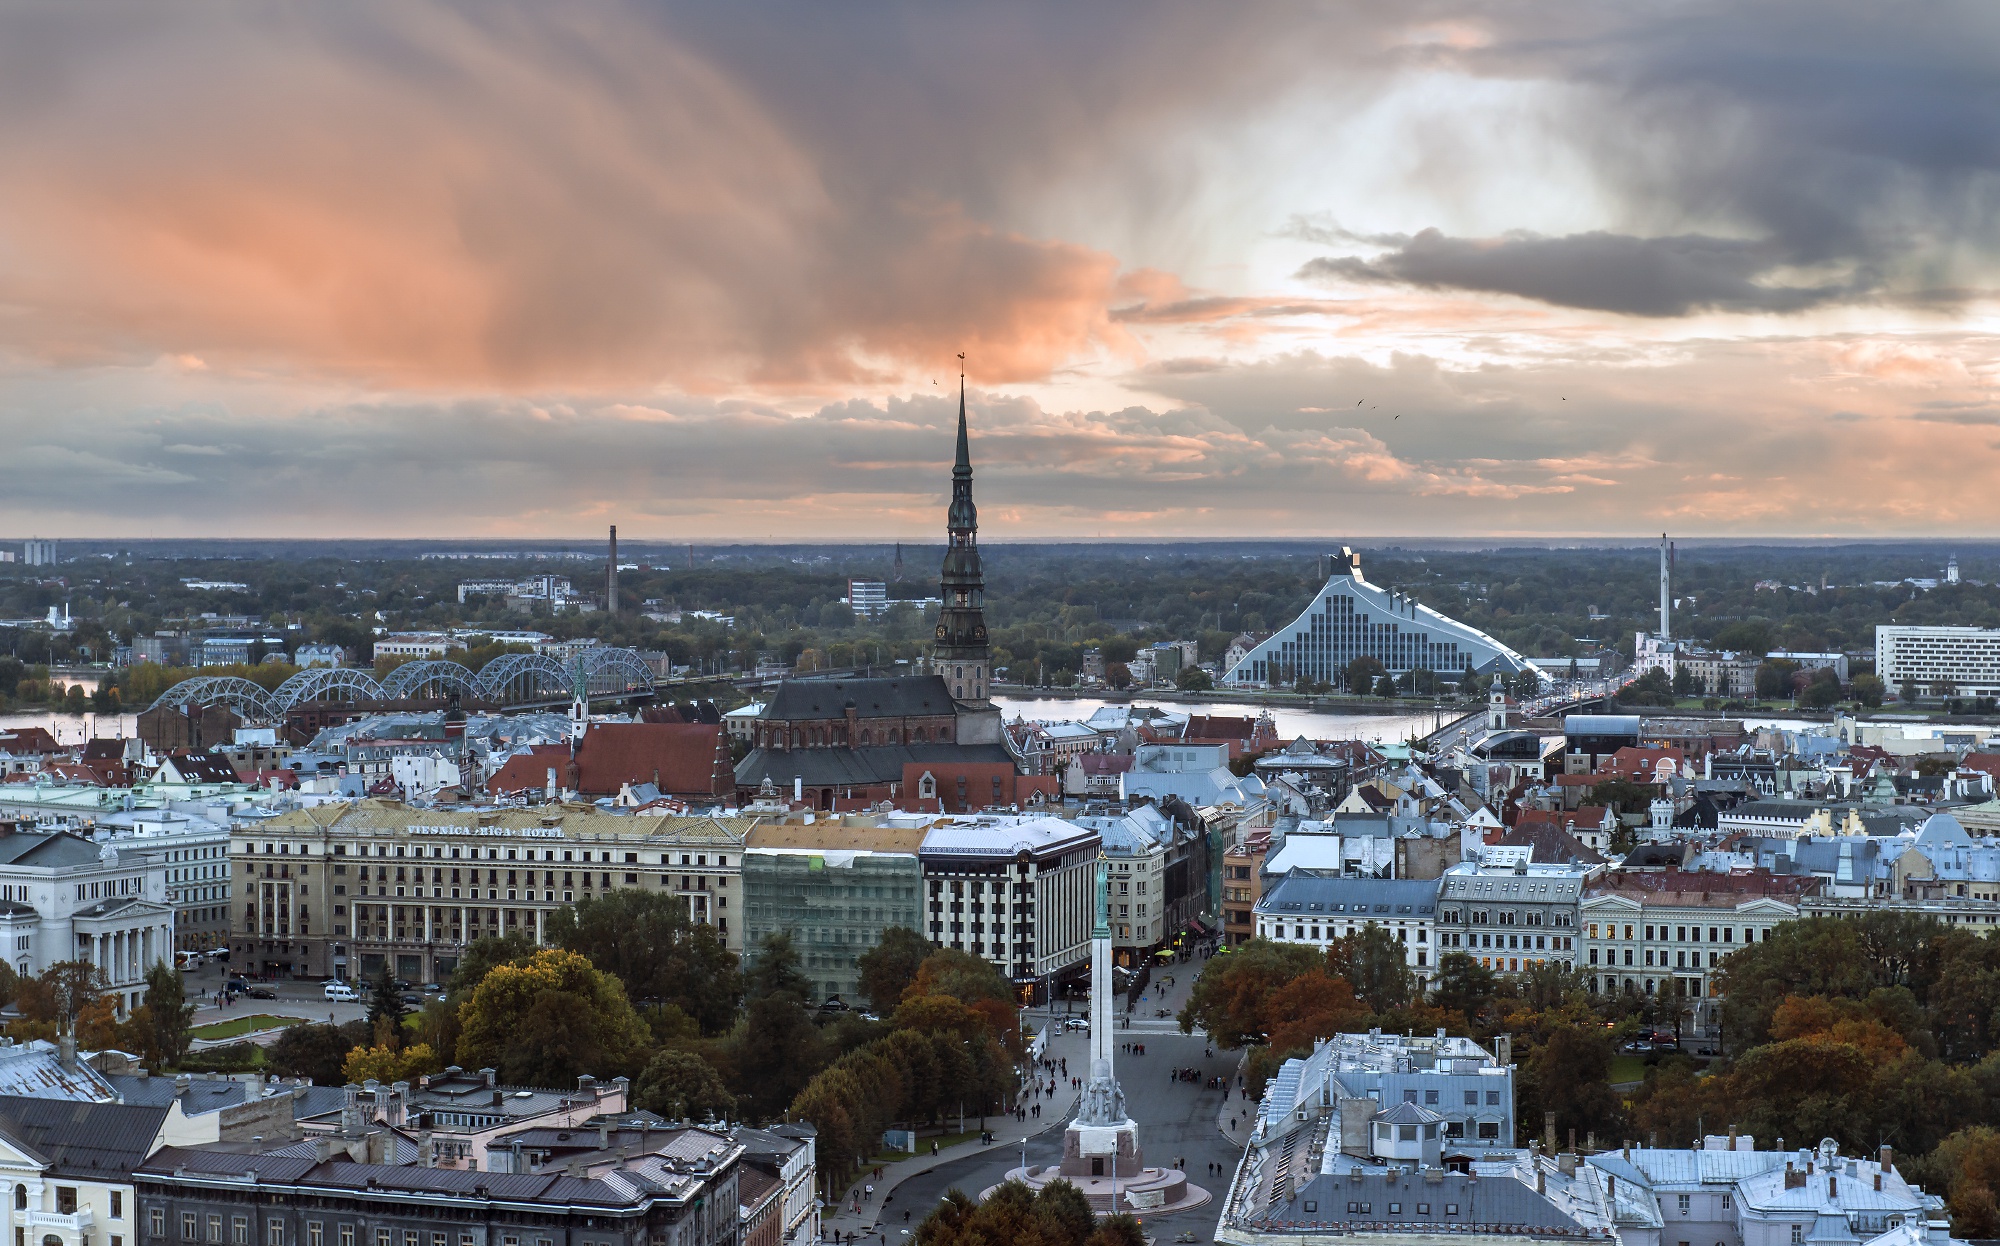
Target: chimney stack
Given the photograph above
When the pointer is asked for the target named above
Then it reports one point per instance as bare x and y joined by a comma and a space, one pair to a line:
611, 575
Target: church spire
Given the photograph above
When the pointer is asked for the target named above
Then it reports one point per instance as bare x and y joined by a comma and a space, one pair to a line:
961, 654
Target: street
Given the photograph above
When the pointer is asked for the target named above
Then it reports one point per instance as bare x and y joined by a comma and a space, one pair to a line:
295, 999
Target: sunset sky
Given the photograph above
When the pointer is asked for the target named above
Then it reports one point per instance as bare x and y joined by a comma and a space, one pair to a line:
702, 270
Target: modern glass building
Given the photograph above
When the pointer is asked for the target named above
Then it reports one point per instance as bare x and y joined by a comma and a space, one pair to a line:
1351, 618
835, 903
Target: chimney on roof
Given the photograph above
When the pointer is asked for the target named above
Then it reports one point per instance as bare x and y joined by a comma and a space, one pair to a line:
1887, 1157
66, 1053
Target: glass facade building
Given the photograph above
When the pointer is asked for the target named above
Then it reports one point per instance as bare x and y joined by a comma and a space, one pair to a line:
835, 904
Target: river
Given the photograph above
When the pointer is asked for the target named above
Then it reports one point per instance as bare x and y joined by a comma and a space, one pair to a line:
1392, 727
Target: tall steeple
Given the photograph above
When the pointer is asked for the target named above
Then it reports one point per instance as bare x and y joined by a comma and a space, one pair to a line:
961, 654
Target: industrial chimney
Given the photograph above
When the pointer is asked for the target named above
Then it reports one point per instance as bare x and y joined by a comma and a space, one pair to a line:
611, 575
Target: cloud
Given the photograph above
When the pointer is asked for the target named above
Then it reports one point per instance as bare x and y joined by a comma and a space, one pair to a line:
1597, 270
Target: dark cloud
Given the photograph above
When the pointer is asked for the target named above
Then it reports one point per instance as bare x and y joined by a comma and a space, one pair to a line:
1596, 270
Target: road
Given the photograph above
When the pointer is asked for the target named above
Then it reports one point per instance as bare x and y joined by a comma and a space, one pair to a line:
1177, 1120
295, 999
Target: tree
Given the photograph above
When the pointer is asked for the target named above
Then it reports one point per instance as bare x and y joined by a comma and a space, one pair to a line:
1967, 1164
1623, 795
1230, 997
388, 1065
1571, 1076
1869, 690
1464, 986
1360, 674
482, 955
777, 1050
548, 1021
386, 1009
963, 976
316, 1051
1774, 677
1376, 964
1822, 691
888, 968
680, 1085
164, 1024
1057, 1215
1194, 679
648, 942
1310, 1007
63, 995
774, 971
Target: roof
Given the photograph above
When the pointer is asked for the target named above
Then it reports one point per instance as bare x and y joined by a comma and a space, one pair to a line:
1355, 899
859, 767
202, 767
755, 1186
1600, 724
685, 759
1483, 1204
1003, 836
35, 1068
1680, 887
97, 1141
834, 834
46, 849
1550, 843
907, 696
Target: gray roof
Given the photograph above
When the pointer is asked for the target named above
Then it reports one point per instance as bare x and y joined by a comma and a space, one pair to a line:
91, 1141
46, 849
212, 1094
906, 696
1483, 1203
1359, 899
857, 767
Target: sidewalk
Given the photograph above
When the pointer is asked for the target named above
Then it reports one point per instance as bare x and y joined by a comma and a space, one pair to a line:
880, 1216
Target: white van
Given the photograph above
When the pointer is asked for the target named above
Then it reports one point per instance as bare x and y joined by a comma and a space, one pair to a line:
340, 992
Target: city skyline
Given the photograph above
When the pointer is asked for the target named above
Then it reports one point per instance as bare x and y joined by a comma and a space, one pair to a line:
1369, 270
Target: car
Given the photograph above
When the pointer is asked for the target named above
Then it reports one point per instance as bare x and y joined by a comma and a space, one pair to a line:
834, 1004
411, 997
431, 988
1077, 1023
340, 992
261, 992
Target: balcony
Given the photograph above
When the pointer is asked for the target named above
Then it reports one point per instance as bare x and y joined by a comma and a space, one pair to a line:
76, 1225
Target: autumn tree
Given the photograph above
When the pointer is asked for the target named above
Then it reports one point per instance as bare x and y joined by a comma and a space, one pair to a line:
1230, 996
1377, 965
548, 1021
680, 1085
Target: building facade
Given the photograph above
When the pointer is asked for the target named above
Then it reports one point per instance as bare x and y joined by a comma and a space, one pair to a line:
1511, 917
1316, 910
1018, 891
192, 852
345, 889
1939, 661
68, 1168
64, 898
835, 888
1351, 618
1669, 932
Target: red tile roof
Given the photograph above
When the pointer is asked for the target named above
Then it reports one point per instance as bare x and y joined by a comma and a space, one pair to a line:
19, 740
684, 759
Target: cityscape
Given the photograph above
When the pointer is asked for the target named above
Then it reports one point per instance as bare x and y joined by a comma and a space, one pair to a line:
682, 626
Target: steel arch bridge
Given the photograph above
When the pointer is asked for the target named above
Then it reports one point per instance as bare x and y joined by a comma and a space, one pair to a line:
432, 678
510, 679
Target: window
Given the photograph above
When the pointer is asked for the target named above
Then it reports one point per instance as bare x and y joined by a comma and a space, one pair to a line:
1423, 1209
239, 1230
1682, 1202
1798, 1235
1451, 1209
1472, 1098
66, 1200
117, 1205
215, 1228
189, 1224
274, 1232
1430, 1097
1312, 1205
315, 1233
1492, 1098
1395, 1209
1489, 1131
346, 1235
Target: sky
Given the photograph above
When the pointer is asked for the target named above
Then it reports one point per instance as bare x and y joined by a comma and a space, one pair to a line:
704, 270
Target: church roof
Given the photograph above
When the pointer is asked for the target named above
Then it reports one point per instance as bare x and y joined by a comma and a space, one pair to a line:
905, 696
856, 767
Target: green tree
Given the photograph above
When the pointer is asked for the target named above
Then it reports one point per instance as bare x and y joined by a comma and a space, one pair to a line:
963, 976
316, 1051
1193, 679
1360, 674
1774, 678
1869, 690
167, 1025
1464, 986
386, 1009
680, 1085
888, 968
648, 942
482, 955
1570, 1074
774, 971
1377, 966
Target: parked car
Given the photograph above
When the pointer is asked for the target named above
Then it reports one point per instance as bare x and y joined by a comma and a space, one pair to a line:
1076, 1023
340, 993
261, 992
413, 999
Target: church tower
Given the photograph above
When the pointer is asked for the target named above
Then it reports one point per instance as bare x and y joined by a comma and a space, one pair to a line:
961, 654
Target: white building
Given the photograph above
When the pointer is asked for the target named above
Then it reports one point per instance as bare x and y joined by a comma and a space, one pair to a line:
416, 645
192, 853
1351, 618
36, 552
65, 898
1669, 932
1940, 661
319, 655
869, 599
1512, 916
1306, 908
1019, 891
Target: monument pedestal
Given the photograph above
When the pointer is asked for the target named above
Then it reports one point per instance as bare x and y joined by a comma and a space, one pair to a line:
1102, 1150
